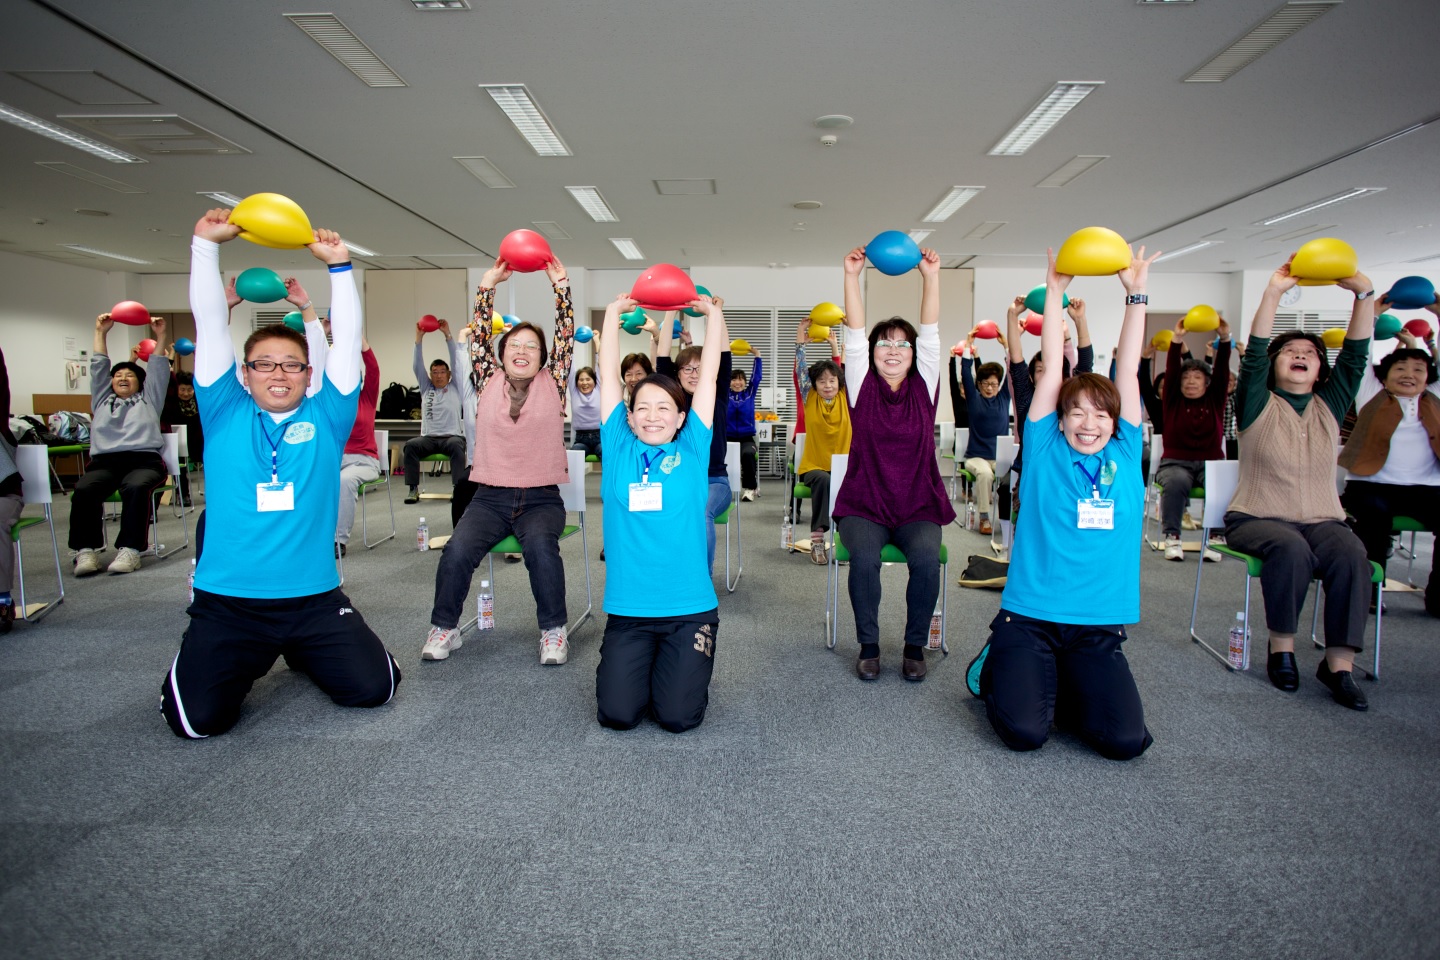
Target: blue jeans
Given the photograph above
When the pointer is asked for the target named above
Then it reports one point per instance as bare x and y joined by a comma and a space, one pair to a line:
920, 542
715, 505
536, 516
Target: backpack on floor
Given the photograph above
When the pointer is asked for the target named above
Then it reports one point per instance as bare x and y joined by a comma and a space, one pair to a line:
73, 427
38, 433
985, 573
395, 402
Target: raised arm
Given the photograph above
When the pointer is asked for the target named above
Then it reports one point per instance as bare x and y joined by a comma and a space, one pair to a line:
757, 371
1132, 335
562, 344
666, 333
607, 363
417, 363
157, 375
927, 351
342, 364
214, 354
481, 330
1013, 330
717, 342
1052, 344
802, 373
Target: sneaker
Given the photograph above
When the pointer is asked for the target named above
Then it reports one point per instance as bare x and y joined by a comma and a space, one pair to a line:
819, 553
87, 563
339, 550
554, 648
440, 642
1211, 556
972, 672
126, 561
747, 495
514, 557
1173, 549
413, 496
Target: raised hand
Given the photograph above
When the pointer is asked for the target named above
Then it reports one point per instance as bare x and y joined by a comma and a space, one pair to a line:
1054, 279
103, 323
1133, 277
1282, 279
855, 262
555, 270
232, 299
1359, 283
929, 263
328, 248
216, 226
295, 293
496, 274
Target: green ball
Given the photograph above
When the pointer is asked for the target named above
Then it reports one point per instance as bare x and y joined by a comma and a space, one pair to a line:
701, 292
295, 320
1386, 326
633, 321
1035, 300
259, 285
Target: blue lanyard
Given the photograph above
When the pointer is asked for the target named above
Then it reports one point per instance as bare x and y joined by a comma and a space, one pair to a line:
274, 446
645, 470
1094, 478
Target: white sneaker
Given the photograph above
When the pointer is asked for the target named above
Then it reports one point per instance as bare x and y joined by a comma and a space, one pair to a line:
1211, 556
747, 495
126, 561
1173, 549
87, 563
439, 643
554, 648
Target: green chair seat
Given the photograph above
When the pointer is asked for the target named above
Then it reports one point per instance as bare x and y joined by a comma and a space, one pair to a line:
164, 487
511, 545
70, 448
966, 475
435, 457
1196, 493
1406, 525
888, 553
724, 518
802, 491
591, 458
1254, 565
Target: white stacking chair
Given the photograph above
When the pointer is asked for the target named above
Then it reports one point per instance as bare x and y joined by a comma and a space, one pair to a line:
946, 449
34, 463
382, 447
1005, 447
796, 492
960, 475
731, 517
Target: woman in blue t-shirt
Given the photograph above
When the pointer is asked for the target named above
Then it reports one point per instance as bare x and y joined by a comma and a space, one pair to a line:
1055, 653
659, 646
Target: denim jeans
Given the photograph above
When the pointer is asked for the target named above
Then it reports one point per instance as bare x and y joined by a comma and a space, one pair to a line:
920, 542
536, 516
718, 500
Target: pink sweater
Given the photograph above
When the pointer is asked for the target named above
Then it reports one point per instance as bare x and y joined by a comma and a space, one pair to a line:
525, 452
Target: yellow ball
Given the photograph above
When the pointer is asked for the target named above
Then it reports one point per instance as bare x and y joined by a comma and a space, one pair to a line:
272, 220
497, 326
1334, 337
1323, 261
1093, 252
740, 347
819, 333
1202, 318
1161, 340
827, 314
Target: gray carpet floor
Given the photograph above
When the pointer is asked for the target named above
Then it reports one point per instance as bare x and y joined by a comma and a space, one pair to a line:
484, 813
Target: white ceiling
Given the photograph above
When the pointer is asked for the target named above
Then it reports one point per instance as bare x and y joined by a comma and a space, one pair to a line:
728, 89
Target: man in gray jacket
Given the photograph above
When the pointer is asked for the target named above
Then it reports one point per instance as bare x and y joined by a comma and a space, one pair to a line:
441, 426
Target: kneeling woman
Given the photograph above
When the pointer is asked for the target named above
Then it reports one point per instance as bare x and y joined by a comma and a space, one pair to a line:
1074, 582
659, 647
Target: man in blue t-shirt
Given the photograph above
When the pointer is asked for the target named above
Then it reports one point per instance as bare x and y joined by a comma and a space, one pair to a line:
266, 584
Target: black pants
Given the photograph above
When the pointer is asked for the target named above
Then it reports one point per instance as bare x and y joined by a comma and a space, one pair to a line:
656, 666
1295, 554
135, 475
1374, 507
233, 641
463, 493
749, 464
819, 483
1075, 675
920, 542
417, 448
587, 440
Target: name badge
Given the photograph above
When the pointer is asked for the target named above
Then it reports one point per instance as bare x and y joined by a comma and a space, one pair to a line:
645, 497
270, 497
1095, 514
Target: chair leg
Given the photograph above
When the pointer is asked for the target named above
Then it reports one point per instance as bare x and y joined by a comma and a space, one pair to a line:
832, 580
589, 595
1223, 657
944, 606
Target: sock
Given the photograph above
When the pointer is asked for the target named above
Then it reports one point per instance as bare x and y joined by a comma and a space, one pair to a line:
5, 599
984, 516
869, 651
913, 652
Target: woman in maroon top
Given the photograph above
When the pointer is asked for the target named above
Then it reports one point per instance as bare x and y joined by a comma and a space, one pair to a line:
892, 492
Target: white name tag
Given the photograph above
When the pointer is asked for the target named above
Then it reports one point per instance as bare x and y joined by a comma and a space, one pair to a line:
1095, 514
645, 497
270, 497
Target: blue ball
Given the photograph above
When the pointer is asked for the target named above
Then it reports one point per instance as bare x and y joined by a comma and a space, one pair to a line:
1412, 293
893, 253
584, 334
675, 330
184, 346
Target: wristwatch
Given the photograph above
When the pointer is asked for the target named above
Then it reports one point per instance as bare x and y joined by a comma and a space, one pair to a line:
1135, 298
1365, 296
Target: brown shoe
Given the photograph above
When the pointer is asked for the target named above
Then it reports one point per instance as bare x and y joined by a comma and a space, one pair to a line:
868, 669
913, 669
985, 527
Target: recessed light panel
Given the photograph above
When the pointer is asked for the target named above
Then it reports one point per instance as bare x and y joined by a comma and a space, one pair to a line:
80, 173
45, 128
1070, 170
1278, 27
592, 203
529, 119
684, 188
1191, 248
627, 248
486, 172
1043, 116
1337, 198
952, 201
551, 229
79, 248
341, 43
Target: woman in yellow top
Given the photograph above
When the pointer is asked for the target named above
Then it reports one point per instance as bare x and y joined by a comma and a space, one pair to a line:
827, 431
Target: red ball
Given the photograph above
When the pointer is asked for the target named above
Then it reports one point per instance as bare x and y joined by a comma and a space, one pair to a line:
663, 287
428, 323
1419, 327
130, 312
146, 347
1033, 323
526, 251
987, 330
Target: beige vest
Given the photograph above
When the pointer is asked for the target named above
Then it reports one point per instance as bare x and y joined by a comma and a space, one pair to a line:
1287, 464
526, 452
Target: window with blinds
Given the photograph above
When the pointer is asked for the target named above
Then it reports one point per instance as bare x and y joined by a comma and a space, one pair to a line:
1312, 321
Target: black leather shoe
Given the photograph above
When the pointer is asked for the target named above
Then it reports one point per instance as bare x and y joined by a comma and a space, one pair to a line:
1283, 672
868, 669
1342, 687
912, 669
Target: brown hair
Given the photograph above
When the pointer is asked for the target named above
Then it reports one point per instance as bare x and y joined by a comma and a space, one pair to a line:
1102, 393
687, 354
277, 331
526, 325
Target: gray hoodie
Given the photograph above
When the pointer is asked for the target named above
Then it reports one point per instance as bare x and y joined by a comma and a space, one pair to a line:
132, 424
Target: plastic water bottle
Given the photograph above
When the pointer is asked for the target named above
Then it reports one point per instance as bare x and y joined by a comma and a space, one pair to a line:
787, 533
1237, 642
485, 607
935, 629
422, 535
972, 517
190, 580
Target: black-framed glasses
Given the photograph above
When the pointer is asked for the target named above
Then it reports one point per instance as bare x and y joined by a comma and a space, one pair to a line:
268, 366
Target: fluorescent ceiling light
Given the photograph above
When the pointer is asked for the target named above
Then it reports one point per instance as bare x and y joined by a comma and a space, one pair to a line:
954, 200
919, 235
1070, 170
103, 253
356, 248
341, 43
441, 4
1191, 248
45, 128
627, 248
1278, 27
528, 118
229, 199
1043, 116
590, 200
486, 172
1338, 198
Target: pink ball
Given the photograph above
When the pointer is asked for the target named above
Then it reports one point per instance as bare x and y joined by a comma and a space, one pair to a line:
526, 251
131, 313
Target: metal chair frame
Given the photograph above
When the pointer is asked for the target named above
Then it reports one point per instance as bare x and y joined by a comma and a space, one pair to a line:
382, 445
33, 461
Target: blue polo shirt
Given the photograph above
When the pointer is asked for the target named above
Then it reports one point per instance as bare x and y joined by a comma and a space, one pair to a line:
657, 559
1059, 572
274, 554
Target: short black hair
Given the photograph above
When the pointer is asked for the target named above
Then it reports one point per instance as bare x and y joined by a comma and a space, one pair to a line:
988, 370
1382, 369
1035, 362
185, 378
1199, 366
134, 368
883, 327
524, 325
669, 384
1279, 342
818, 370
439, 363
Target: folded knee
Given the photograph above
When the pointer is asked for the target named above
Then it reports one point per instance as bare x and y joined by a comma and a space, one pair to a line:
678, 720
1124, 747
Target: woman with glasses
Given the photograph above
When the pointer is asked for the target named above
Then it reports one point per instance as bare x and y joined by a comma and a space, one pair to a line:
520, 462
892, 491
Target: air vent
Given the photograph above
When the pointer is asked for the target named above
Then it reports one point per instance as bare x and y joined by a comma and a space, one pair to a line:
342, 44
80, 173
486, 172
983, 230
1070, 170
157, 133
684, 188
1278, 27
551, 229
85, 87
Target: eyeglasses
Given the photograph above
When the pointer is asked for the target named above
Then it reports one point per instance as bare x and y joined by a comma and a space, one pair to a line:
692, 369
268, 366
530, 347
894, 344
